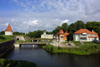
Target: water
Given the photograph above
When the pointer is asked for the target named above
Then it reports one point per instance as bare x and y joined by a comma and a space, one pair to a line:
45, 59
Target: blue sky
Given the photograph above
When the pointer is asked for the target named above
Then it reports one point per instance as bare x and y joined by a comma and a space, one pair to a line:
30, 15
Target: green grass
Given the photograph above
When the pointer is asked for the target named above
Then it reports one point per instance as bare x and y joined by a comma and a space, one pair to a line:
77, 43
20, 41
82, 50
14, 63
5, 38
89, 43
65, 42
45, 42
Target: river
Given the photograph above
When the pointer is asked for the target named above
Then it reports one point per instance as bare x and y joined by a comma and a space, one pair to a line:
45, 59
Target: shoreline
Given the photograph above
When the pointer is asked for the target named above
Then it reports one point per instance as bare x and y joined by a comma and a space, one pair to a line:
92, 49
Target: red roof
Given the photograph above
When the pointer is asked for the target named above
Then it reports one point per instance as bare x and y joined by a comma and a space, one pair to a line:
61, 32
80, 31
9, 28
66, 33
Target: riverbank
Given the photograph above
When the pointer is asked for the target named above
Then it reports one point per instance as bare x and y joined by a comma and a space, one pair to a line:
6, 46
82, 50
14, 63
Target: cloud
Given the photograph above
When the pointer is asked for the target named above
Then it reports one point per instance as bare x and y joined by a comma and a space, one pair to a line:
31, 23
48, 14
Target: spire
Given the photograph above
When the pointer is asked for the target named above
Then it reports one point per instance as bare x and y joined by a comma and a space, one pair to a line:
8, 28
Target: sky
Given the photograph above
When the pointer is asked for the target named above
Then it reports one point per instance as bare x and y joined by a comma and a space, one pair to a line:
31, 15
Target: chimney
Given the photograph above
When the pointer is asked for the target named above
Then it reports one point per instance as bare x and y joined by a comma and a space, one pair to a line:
92, 30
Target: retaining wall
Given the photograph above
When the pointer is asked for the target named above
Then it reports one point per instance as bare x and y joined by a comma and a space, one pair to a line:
6, 46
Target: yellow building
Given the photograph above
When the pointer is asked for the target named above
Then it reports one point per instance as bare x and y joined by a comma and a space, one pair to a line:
49, 36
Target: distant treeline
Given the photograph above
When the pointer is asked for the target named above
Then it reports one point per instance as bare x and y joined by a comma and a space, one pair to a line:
70, 28
14, 33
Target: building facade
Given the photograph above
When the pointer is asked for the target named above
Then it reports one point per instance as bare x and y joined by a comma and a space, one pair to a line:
61, 36
49, 36
85, 35
8, 30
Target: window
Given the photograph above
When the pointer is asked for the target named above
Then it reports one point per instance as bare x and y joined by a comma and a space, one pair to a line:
61, 36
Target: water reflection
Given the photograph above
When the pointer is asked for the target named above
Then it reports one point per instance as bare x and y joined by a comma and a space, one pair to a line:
44, 59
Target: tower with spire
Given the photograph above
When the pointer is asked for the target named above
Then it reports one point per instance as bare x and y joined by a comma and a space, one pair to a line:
8, 30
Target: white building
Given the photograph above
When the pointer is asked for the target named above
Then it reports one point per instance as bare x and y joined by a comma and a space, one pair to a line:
85, 35
8, 30
49, 36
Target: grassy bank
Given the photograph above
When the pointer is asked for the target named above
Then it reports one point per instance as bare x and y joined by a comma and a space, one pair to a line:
5, 38
14, 63
82, 50
20, 41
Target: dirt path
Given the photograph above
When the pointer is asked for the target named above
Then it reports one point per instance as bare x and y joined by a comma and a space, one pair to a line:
59, 44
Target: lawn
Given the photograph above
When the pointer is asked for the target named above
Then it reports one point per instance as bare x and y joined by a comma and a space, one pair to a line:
20, 41
77, 43
82, 50
5, 38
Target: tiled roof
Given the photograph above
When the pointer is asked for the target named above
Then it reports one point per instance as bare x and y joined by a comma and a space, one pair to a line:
83, 31
62, 32
66, 33
80, 31
9, 28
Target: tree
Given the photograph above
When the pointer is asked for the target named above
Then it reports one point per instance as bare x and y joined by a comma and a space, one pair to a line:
35, 34
64, 26
18, 33
2, 32
93, 26
71, 30
89, 26
70, 36
56, 30
79, 25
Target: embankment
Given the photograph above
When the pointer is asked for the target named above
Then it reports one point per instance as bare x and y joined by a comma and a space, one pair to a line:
6, 46
82, 50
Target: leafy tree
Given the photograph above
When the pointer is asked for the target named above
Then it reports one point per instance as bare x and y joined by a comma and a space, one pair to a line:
35, 34
2, 32
64, 26
18, 33
89, 26
70, 36
71, 30
56, 30
79, 25
93, 26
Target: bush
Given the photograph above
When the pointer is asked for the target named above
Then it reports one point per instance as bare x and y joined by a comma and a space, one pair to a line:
2, 37
14, 63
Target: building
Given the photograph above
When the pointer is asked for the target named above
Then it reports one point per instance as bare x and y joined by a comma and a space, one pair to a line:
85, 35
61, 36
49, 36
8, 30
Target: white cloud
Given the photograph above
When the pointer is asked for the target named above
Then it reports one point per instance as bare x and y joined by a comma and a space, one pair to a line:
31, 23
65, 21
47, 14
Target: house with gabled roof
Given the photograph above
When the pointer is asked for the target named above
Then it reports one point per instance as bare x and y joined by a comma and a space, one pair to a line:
85, 35
8, 30
48, 36
61, 36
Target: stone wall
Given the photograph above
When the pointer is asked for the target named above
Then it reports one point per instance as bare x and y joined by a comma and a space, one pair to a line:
23, 38
6, 46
